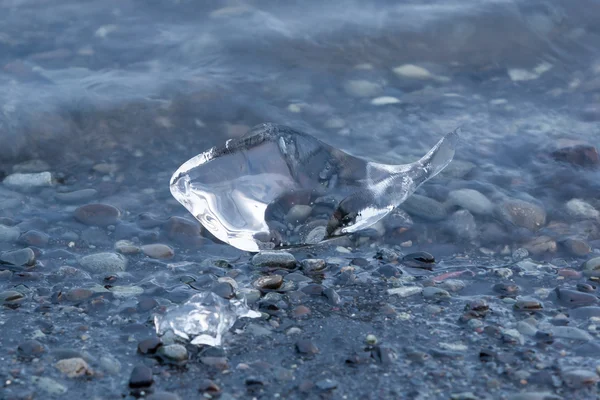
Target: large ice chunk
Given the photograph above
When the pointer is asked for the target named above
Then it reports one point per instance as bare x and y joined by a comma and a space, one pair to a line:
203, 319
276, 188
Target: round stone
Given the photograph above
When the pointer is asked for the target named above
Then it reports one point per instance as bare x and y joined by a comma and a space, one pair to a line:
471, 200
141, 377
102, 263
159, 251
522, 213
97, 214
268, 282
174, 352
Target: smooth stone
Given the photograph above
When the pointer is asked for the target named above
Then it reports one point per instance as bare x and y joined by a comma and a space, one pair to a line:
580, 155
306, 346
362, 88
34, 238
471, 200
425, 208
179, 228
578, 378
110, 364
78, 294
397, 219
298, 214
592, 264
78, 196
384, 101
573, 298
250, 295
540, 245
121, 292
102, 263
73, 367
578, 208
585, 312
9, 234
224, 290
49, 385
11, 296
97, 214
141, 377
28, 181
149, 345
571, 332
274, 259
413, 72
268, 282
453, 285
519, 254
175, 352
435, 293
535, 396
522, 213
332, 296
126, 247
31, 348
405, 291
326, 384
158, 251
526, 328
312, 265
462, 226
31, 166
21, 257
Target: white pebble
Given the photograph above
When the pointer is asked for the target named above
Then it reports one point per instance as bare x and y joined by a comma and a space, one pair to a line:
384, 100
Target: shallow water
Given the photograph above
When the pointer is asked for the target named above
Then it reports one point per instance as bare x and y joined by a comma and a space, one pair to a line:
111, 97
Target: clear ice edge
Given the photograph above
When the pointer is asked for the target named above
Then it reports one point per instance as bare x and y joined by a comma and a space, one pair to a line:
277, 188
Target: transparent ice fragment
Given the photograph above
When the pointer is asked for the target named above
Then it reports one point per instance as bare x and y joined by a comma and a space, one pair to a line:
203, 319
276, 187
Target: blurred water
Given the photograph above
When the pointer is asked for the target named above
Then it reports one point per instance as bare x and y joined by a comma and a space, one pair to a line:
173, 77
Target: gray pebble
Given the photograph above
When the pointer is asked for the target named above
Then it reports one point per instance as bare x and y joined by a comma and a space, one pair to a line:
29, 181
578, 378
250, 295
274, 259
104, 263
110, 364
578, 208
471, 200
526, 328
158, 250
311, 265
424, 207
405, 291
49, 385
273, 281
592, 264
174, 352
462, 226
520, 254
97, 214
571, 332
435, 293
522, 213
298, 214
25, 257
453, 285
73, 367
9, 234
78, 196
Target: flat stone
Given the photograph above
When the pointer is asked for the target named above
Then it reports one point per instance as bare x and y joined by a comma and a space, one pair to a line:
21, 257
48, 385
578, 208
470, 200
298, 214
273, 259
425, 208
224, 290
535, 396
78, 196
405, 291
312, 265
73, 367
29, 181
78, 294
462, 226
9, 234
158, 250
384, 101
34, 238
103, 263
97, 214
571, 332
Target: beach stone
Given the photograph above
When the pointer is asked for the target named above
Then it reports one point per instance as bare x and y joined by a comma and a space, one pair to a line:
34, 238
425, 208
592, 264
273, 281
540, 245
405, 291
97, 214
25, 257
273, 259
579, 155
576, 247
110, 364
470, 200
31, 348
462, 226
73, 367
9, 234
28, 181
435, 293
126, 247
141, 377
160, 395
313, 265
298, 214
577, 378
174, 352
571, 332
522, 213
306, 346
578, 208
102, 263
158, 250
77, 196
362, 88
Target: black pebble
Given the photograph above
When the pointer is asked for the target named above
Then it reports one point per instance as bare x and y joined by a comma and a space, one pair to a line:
149, 345
141, 376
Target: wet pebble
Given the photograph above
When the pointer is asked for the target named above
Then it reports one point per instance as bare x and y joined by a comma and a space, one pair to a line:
573, 298
332, 296
159, 251
300, 311
34, 238
522, 213
508, 289
126, 247
541, 245
578, 378
405, 291
306, 346
326, 384
592, 264
110, 364
73, 367
571, 332
21, 257
9, 234
527, 305
97, 214
580, 155
462, 226
471, 200
11, 297
250, 295
141, 377
578, 208
388, 271
161, 395
576, 247
31, 348
435, 293
174, 352
312, 265
224, 290
362, 88
268, 282
298, 214
78, 196
103, 263
313, 289
425, 208
420, 259
78, 294
272, 259
28, 181
49, 385
453, 285
149, 345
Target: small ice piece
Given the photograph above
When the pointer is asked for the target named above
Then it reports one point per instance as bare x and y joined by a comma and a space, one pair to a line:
203, 319
245, 191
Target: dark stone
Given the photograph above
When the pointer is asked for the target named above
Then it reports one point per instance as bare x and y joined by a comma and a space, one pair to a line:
326, 384
389, 271
420, 259
586, 288
31, 348
224, 290
146, 304
576, 247
149, 345
383, 355
18, 257
34, 238
573, 298
141, 377
579, 155
332, 296
268, 282
313, 289
306, 346
210, 387
97, 214
78, 294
